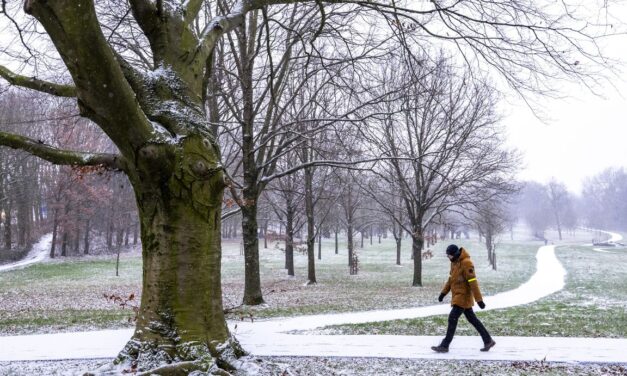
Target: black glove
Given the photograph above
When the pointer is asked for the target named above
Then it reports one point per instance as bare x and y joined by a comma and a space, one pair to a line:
481, 304
441, 297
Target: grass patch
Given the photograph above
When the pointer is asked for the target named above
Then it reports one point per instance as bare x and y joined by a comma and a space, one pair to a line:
65, 295
33, 321
380, 283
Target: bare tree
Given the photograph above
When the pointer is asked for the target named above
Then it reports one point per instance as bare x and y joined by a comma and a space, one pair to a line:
492, 218
561, 204
443, 147
287, 203
603, 199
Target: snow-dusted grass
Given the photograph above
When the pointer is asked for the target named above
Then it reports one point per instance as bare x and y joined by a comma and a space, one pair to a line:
380, 284
310, 366
592, 304
67, 294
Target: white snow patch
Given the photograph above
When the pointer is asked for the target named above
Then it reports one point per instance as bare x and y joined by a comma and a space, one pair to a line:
247, 366
79, 345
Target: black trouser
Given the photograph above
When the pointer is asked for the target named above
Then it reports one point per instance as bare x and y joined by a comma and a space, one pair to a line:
471, 317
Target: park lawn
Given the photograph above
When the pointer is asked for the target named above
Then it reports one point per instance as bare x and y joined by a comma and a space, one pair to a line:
63, 295
67, 294
592, 304
380, 284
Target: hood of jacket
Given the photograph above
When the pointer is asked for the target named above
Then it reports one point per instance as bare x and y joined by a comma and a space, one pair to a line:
464, 255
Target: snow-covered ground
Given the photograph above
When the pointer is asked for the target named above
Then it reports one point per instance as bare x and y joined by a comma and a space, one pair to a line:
40, 252
271, 337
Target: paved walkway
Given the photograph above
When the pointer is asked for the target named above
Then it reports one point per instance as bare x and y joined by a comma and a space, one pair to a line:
418, 347
269, 337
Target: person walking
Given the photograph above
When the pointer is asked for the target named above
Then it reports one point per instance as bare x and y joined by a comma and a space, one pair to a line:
462, 283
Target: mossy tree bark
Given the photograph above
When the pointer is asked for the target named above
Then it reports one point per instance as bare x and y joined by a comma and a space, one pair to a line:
179, 202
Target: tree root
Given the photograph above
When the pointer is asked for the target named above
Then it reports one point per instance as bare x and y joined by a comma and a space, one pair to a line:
145, 358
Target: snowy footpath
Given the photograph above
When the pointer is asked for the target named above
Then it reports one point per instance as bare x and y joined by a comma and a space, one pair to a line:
40, 252
272, 337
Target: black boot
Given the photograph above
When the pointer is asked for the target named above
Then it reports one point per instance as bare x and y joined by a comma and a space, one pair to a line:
440, 349
488, 346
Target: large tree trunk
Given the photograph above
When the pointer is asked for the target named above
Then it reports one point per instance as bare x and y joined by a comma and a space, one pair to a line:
181, 315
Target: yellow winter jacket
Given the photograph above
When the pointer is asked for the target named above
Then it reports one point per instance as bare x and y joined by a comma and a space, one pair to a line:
462, 282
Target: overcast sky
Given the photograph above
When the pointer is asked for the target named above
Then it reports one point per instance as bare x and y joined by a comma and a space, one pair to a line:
585, 135
580, 135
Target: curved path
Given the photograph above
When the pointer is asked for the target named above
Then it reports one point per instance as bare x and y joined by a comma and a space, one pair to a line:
614, 237
38, 253
269, 337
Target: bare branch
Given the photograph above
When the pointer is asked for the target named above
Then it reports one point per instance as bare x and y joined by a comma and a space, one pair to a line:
60, 156
58, 90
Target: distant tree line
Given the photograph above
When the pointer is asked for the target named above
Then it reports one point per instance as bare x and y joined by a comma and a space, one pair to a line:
80, 205
602, 204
